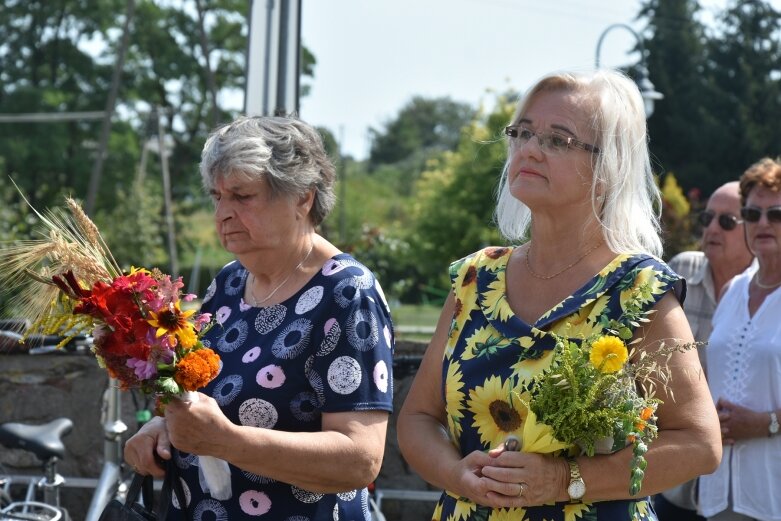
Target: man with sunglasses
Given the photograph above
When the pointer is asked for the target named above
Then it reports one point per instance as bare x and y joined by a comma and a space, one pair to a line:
724, 254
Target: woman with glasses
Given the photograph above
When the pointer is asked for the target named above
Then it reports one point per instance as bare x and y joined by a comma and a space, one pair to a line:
744, 364
577, 191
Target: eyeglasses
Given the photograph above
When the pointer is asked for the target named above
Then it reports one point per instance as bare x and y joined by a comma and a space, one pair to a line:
752, 214
550, 142
727, 221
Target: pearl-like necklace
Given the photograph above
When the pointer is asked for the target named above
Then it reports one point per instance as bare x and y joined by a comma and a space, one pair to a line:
256, 302
764, 286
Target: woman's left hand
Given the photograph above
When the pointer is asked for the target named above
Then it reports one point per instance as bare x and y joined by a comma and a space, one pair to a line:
740, 423
527, 479
194, 426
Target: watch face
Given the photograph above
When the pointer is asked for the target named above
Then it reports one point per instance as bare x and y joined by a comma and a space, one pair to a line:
774, 428
576, 489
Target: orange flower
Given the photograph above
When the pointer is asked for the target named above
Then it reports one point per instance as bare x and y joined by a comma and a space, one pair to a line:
197, 368
639, 426
646, 413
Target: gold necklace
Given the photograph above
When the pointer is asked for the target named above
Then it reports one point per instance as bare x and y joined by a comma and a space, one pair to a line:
764, 286
548, 277
256, 302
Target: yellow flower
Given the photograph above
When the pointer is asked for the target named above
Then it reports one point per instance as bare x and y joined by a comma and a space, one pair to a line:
613, 266
647, 283
494, 299
173, 322
496, 413
526, 369
584, 322
575, 511
454, 398
608, 354
507, 514
463, 509
538, 437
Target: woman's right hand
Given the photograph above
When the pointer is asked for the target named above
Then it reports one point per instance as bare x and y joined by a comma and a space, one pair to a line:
144, 447
467, 480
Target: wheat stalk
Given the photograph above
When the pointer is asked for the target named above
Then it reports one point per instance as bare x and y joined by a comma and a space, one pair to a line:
69, 241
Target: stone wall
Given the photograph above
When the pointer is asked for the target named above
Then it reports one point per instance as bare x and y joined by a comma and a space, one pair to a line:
37, 389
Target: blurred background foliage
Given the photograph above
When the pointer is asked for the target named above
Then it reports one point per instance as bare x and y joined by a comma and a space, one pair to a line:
424, 196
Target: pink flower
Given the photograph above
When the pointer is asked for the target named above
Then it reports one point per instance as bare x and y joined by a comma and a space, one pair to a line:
143, 369
201, 320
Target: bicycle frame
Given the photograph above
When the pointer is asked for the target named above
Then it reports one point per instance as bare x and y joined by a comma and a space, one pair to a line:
111, 475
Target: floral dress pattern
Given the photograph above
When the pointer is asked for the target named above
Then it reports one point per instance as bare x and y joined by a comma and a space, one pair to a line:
492, 355
328, 348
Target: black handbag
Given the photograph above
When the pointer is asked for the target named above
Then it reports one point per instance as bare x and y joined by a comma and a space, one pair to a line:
132, 510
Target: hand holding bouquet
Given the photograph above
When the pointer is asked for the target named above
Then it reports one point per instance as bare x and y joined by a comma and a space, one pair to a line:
590, 394
68, 284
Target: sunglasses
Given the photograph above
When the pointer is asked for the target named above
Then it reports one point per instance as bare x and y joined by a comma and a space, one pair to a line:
752, 214
727, 221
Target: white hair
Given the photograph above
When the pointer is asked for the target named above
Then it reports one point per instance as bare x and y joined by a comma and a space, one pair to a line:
624, 195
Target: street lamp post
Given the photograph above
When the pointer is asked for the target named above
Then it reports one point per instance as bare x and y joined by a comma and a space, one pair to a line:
647, 89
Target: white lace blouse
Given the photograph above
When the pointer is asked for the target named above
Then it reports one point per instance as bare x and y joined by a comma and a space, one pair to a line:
744, 367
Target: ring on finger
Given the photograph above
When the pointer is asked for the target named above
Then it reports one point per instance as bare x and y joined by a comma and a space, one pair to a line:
522, 491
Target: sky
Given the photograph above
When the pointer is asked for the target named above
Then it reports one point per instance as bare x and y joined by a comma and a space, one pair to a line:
373, 56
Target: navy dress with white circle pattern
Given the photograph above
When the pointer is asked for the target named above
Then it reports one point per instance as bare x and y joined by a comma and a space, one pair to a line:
328, 348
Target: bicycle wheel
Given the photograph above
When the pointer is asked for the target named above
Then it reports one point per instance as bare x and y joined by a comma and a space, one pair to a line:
31, 511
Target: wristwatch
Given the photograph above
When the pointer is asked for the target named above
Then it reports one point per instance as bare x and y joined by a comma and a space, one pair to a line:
577, 487
773, 427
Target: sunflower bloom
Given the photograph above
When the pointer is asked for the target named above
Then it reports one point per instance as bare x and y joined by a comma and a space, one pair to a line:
608, 354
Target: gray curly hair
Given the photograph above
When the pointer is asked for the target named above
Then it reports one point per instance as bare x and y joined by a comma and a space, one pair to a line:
287, 152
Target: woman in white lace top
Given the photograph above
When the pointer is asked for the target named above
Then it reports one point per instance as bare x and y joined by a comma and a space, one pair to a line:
744, 365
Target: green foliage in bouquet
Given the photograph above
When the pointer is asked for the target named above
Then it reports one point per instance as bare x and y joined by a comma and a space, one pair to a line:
597, 389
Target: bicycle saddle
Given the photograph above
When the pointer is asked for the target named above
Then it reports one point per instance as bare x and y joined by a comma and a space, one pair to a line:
45, 441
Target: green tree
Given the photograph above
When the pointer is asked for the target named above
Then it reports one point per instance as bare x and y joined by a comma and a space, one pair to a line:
454, 207
676, 60
423, 128
131, 228
422, 124
745, 108
59, 57
44, 67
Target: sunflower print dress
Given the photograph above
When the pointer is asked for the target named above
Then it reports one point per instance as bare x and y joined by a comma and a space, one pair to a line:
492, 355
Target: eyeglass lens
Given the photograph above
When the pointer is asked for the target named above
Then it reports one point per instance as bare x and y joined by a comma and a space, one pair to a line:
549, 141
726, 221
752, 214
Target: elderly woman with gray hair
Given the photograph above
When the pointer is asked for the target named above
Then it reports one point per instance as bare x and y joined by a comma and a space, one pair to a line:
301, 404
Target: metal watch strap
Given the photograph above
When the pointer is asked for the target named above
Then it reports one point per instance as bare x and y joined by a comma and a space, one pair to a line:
577, 487
773, 428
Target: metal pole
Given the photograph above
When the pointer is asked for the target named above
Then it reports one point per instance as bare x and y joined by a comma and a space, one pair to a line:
169, 216
628, 28
647, 89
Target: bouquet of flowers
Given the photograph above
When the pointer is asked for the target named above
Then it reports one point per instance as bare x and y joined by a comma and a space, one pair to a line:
590, 397
68, 283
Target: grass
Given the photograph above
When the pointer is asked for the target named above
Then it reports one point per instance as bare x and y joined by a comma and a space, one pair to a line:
414, 322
